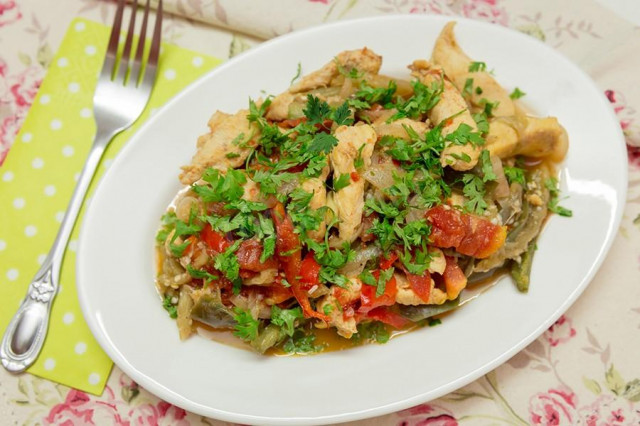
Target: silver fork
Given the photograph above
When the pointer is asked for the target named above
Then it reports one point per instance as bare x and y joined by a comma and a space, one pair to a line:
122, 92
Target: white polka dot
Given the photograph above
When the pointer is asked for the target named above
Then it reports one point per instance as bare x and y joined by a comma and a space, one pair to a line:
68, 318
26, 138
3, 245
37, 163
73, 245
90, 50
85, 113
67, 150
63, 62
19, 203
7, 176
60, 288
79, 26
12, 274
81, 347
170, 74
107, 163
41, 258
152, 111
76, 177
49, 190
73, 87
56, 124
197, 61
94, 378
45, 99
49, 364
30, 231
59, 216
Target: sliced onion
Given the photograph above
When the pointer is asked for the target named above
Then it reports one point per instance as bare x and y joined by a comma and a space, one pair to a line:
502, 187
380, 174
363, 255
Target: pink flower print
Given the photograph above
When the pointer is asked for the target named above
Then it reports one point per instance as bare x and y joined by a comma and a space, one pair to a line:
170, 415
556, 407
9, 127
25, 86
79, 409
9, 12
427, 414
486, 10
428, 6
608, 411
560, 332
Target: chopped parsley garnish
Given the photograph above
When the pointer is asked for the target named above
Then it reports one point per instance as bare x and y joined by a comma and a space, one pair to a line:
170, 307
373, 331
553, 186
514, 175
227, 262
477, 66
342, 182
322, 143
342, 115
517, 93
316, 111
487, 169
468, 87
298, 74
367, 95
286, 318
201, 274
301, 343
423, 100
488, 106
246, 327
463, 135
380, 283
358, 163
474, 191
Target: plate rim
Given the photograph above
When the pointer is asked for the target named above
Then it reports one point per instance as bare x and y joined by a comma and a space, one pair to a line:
155, 388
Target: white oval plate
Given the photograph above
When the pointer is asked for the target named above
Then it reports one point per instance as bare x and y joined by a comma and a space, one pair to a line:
115, 264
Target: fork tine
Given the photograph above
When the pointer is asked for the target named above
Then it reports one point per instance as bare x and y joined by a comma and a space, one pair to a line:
126, 52
137, 62
154, 52
157, 32
112, 48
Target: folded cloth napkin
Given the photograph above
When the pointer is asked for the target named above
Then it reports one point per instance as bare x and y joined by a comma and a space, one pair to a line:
38, 178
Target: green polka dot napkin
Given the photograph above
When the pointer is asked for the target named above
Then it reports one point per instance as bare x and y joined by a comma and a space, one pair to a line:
38, 177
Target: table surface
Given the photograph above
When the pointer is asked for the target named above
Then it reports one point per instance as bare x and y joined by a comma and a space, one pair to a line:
584, 370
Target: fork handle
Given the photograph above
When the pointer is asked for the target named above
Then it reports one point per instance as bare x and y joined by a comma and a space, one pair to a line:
26, 333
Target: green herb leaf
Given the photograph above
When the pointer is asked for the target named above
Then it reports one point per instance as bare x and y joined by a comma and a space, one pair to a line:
477, 67
227, 262
316, 111
286, 318
170, 307
487, 169
201, 274
514, 175
342, 182
298, 74
342, 115
517, 93
468, 87
553, 186
322, 142
246, 326
474, 191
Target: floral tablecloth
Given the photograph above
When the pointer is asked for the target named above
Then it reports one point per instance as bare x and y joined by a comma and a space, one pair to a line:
584, 370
